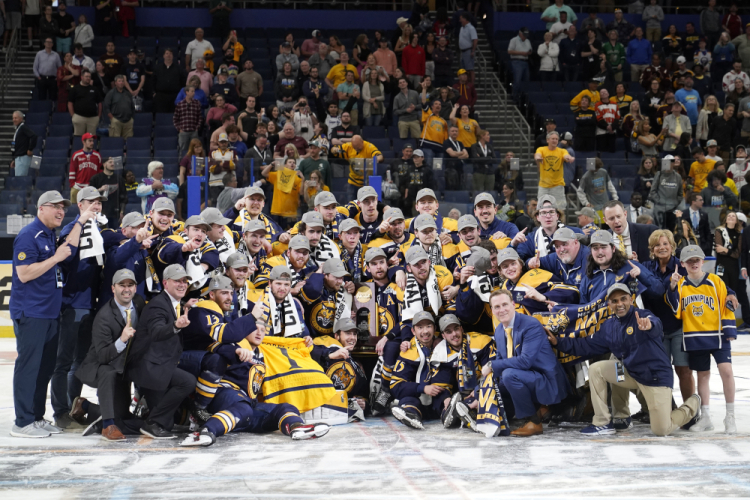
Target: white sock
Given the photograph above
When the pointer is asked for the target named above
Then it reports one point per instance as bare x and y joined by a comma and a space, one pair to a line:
704, 412
730, 408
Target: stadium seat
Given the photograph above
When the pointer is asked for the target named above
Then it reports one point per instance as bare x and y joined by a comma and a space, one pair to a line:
52, 169
112, 143
370, 133
388, 154
45, 183
164, 119
7, 209
165, 131
165, 143
132, 207
60, 130
456, 196
110, 153
57, 143
61, 119
339, 184
41, 106
381, 144
146, 41
143, 131
171, 169
13, 196
40, 131
19, 183
624, 196
37, 118
140, 119
138, 144
139, 169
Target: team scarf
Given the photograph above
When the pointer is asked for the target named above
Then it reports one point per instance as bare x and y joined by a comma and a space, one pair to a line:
482, 286
281, 317
91, 243
413, 297
225, 245
463, 360
343, 305
245, 218
198, 276
296, 278
491, 417
325, 250
543, 244
332, 230
242, 294
424, 370
356, 259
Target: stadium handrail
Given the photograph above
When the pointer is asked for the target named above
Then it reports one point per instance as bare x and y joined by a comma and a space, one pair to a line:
10, 64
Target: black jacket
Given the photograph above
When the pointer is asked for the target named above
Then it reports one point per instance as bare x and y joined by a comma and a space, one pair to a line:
639, 234
25, 141
704, 234
157, 348
107, 328
169, 80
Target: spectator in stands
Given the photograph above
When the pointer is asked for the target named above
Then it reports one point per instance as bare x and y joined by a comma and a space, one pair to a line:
592, 48
678, 77
196, 48
506, 174
723, 57
559, 30
420, 176
447, 97
186, 163
45, 67
595, 187
337, 75
675, 124
701, 56
199, 71
707, 114
68, 76
468, 128
65, 27
690, 99
407, 107
644, 178
654, 98
434, 132
608, 121
248, 119
112, 62
286, 88
727, 82
289, 38
638, 55
286, 56
597, 25
519, 50
131, 186
413, 61
625, 30
442, 58
22, 147
84, 164
484, 169
82, 60
135, 74
710, 21
287, 183
742, 44
223, 162
227, 119
289, 137
738, 93
455, 152
85, 105
220, 11
111, 185
648, 143
621, 99
548, 51
402, 41
372, 66
31, 16
672, 45
430, 44
168, 78
551, 160
591, 92
187, 119
732, 22
585, 134
125, 10
118, 105
467, 44
570, 55
722, 128
373, 94
303, 119
83, 35
344, 132
653, 15
465, 90
224, 88
249, 82
310, 46
717, 193
349, 93
215, 115
615, 54
552, 14
541, 139
322, 60
360, 51
47, 25
155, 186
100, 80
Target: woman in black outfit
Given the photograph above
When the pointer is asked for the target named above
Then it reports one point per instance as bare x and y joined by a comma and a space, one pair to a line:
585, 134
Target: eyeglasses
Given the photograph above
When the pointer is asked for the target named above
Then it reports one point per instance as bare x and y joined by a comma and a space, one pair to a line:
547, 213
59, 207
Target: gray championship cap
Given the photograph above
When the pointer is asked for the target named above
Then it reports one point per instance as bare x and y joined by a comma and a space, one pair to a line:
122, 275
52, 197
335, 267
348, 224
419, 152
254, 225
90, 193
280, 273
564, 234
465, 221
483, 197
506, 254
423, 193
617, 287
424, 221
416, 254
344, 325
237, 260
422, 315
601, 237
299, 242
373, 253
254, 190
313, 219
366, 192
133, 219
214, 216
547, 198
220, 283
325, 198
162, 204
480, 259
588, 212
394, 214
175, 272
691, 252
199, 221
447, 320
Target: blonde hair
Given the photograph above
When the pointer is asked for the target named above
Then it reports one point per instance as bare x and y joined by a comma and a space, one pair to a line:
657, 235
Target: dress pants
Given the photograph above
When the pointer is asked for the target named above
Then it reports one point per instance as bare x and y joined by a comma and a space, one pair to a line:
162, 404
36, 343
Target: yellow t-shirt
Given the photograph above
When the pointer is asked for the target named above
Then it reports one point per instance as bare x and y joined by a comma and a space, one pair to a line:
551, 170
311, 191
699, 173
284, 204
337, 74
347, 151
467, 132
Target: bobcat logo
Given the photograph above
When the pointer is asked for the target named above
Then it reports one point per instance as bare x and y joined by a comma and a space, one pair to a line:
342, 375
257, 374
324, 316
558, 322
697, 310
285, 178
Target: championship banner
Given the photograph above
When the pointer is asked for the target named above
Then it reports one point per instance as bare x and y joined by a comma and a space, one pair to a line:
6, 276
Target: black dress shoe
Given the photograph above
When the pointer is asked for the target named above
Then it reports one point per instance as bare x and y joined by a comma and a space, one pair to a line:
156, 431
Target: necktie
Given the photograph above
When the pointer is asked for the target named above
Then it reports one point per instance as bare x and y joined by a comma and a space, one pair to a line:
509, 342
696, 220
127, 317
621, 244
177, 309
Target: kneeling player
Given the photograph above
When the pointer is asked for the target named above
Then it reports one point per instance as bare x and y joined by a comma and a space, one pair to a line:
235, 406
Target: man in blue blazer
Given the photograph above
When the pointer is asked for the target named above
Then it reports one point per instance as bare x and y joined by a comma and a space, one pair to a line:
526, 369
630, 237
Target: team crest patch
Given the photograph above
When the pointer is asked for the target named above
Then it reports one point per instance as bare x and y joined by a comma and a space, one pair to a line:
629, 330
697, 310
256, 380
22, 256
342, 375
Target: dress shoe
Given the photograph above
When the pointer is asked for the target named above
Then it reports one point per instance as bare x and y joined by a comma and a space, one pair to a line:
156, 431
529, 429
76, 411
112, 433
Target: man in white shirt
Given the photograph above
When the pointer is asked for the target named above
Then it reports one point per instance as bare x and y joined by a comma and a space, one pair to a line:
196, 49
727, 83
560, 29
713, 150
81, 59
740, 167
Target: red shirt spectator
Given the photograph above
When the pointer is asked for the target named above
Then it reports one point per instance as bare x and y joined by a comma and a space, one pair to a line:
732, 22
84, 164
467, 93
413, 58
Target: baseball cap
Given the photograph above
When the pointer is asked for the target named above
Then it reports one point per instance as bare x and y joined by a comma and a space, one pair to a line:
418, 152
681, 60
739, 146
549, 120
524, 30
668, 157
691, 252
213, 215
345, 324
88, 135
315, 143
132, 219
366, 192
618, 10
564, 234
587, 211
373, 253
254, 225
132, 51
122, 275
407, 146
175, 272
394, 213
349, 224
416, 254
223, 137
447, 320
316, 33
483, 197
223, 71
422, 193
325, 198
286, 45
567, 136
460, 72
423, 221
617, 287
313, 219
139, 52
254, 190
480, 259
467, 220
220, 283
421, 316
711, 142
506, 254
299, 242
197, 220
601, 237
52, 197
237, 260
401, 20
279, 273
335, 267
742, 217
90, 193
162, 204
546, 198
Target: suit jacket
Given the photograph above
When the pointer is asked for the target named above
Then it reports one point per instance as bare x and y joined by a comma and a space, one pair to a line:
158, 347
639, 234
532, 353
704, 234
644, 211
107, 328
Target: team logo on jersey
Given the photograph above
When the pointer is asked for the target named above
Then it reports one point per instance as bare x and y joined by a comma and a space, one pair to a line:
697, 310
385, 320
342, 375
629, 330
22, 256
323, 316
578, 278
257, 374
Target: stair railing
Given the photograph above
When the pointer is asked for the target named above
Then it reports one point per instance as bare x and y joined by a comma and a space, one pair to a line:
10, 63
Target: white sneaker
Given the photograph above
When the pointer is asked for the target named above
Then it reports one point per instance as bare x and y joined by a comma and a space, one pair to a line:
47, 426
730, 427
702, 425
30, 431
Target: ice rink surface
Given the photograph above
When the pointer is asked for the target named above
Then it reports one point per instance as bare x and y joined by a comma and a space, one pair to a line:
382, 459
